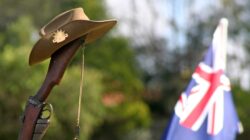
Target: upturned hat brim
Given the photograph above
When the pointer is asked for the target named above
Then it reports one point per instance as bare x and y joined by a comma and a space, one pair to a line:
93, 30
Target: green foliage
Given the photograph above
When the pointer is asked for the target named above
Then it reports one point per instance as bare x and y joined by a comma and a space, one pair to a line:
131, 115
19, 32
111, 67
241, 99
18, 81
117, 61
65, 101
135, 114
24, 81
19, 18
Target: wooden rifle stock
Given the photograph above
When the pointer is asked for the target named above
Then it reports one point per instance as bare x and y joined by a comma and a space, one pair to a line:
58, 63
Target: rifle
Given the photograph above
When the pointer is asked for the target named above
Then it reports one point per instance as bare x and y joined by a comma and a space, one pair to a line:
34, 122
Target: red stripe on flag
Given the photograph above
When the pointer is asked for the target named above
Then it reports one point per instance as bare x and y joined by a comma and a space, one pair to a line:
206, 76
195, 114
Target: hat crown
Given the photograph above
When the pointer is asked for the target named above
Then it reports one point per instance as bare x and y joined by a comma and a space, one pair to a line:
63, 19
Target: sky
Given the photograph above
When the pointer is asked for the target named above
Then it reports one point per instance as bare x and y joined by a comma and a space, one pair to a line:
141, 10
160, 12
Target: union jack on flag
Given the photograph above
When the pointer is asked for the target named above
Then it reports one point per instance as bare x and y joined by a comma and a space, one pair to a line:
205, 110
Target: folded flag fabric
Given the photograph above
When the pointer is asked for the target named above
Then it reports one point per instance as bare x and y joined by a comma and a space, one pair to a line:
205, 110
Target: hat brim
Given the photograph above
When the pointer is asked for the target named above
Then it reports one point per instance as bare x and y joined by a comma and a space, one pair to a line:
93, 30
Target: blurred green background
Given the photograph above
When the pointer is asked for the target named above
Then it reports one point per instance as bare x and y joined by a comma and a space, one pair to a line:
125, 95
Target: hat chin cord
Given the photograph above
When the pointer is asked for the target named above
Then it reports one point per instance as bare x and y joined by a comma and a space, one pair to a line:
77, 127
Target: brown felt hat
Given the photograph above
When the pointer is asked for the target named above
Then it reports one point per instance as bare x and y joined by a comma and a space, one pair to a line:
65, 28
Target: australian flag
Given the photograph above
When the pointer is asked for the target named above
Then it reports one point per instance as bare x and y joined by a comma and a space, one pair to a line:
205, 110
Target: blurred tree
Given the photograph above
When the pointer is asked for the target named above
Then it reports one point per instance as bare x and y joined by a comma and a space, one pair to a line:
117, 69
242, 98
199, 36
117, 60
36, 13
121, 78
22, 81
111, 69
16, 82
20, 32
65, 101
167, 69
131, 115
